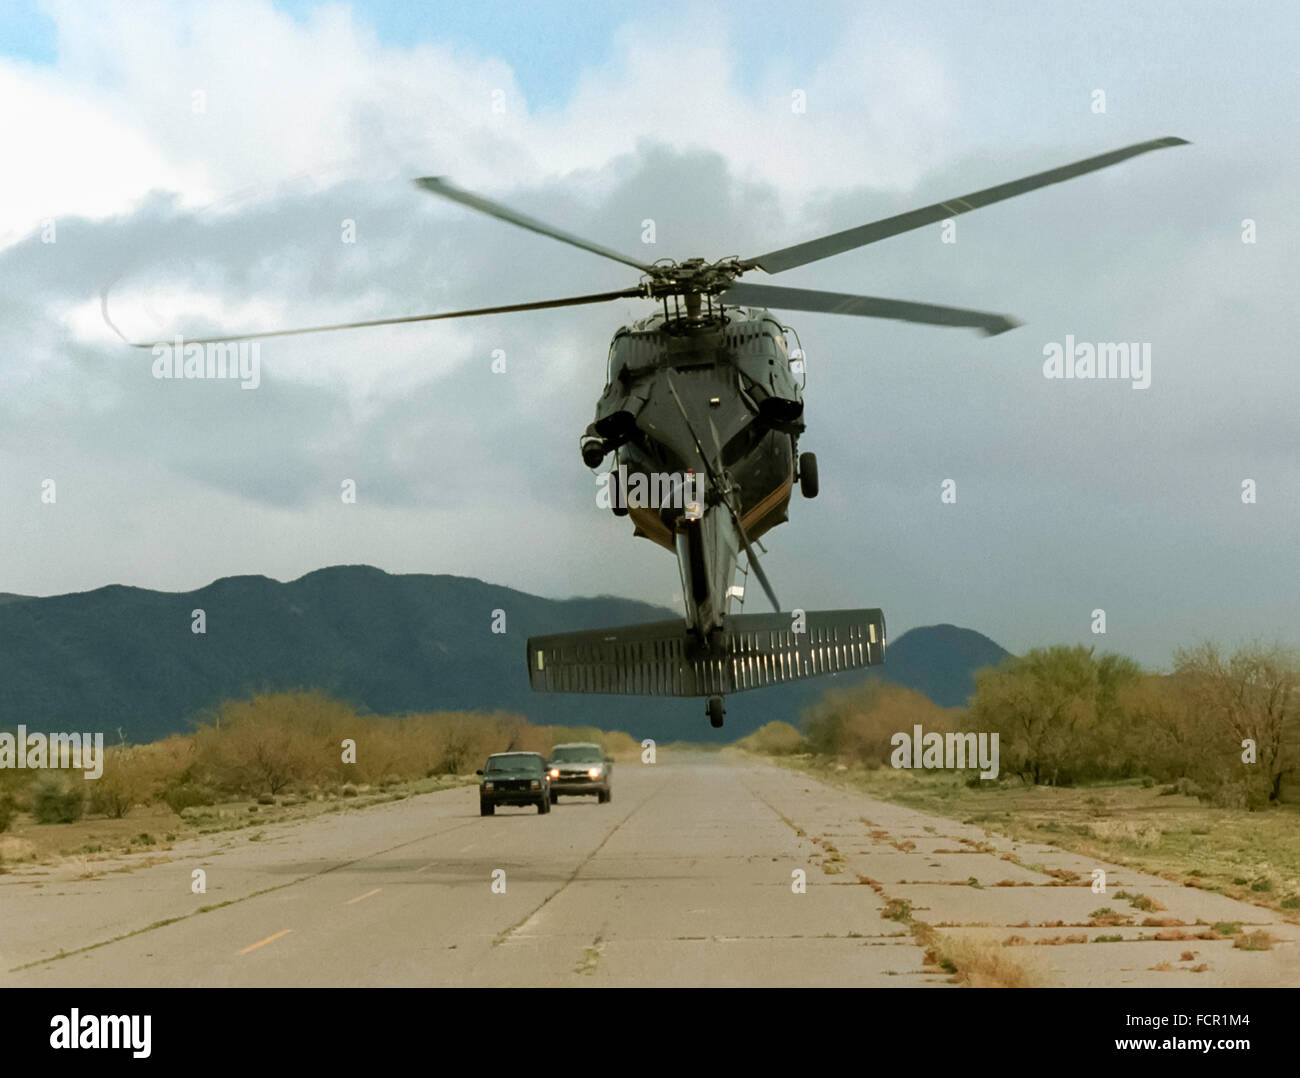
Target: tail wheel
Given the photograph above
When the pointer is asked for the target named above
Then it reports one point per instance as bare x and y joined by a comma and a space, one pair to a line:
543, 806
716, 711
485, 809
808, 474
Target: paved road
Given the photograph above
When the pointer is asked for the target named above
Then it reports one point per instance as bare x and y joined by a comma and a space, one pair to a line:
685, 878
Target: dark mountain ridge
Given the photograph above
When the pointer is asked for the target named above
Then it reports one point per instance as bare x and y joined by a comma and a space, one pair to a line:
128, 657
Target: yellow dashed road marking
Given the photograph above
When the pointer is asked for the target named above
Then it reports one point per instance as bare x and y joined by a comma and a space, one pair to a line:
360, 897
269, 939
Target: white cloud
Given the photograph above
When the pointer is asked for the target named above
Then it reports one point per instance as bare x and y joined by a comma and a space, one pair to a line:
463, 471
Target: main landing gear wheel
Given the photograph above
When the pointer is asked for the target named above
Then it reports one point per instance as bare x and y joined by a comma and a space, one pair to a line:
808, 474
716, 711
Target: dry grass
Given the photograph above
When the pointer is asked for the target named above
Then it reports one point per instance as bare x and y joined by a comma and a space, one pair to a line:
897, 909
1140, 902
1187, 841
980, 963
1105, 917
1255, 941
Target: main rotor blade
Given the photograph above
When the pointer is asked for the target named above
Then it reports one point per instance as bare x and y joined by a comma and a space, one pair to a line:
439, 186
802, 253
572, 301
806, 299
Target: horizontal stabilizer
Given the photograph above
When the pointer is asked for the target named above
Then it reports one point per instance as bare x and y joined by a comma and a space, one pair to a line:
661, 659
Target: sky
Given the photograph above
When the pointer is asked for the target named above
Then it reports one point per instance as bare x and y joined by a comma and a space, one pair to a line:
246, 166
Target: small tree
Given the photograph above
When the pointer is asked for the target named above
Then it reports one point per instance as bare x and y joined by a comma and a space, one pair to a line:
126, 781
1057, 712
1254, 694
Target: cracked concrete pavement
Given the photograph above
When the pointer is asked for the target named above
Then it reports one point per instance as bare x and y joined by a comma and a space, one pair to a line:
685, 878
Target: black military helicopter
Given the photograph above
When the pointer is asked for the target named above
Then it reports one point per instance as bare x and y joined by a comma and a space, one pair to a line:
707, 393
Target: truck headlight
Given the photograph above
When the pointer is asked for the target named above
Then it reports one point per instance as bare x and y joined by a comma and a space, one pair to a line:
593, 772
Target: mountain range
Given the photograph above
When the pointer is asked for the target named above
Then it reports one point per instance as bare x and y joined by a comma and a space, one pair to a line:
128, 657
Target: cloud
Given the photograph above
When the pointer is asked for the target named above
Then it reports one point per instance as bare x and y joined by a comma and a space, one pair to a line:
1070, 496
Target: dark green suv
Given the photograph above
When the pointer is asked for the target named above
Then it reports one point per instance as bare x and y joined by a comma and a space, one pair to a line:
514, 778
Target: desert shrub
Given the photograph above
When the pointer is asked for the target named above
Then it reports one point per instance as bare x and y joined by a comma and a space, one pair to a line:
859, 724
263, 744
1252, 694
1058, 713
57, 799
1189, 727
130, 777
8, 810
774, 739
274, 743
178, 796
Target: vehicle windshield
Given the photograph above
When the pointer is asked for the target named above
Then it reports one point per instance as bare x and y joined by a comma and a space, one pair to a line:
514, 763
576, 754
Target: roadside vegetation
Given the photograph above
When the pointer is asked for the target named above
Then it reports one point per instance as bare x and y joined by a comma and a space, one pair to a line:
1099, 757
251, 762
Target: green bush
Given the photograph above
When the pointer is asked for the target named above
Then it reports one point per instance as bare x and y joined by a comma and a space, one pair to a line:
55, 799
109, 800
182, 795
8, 810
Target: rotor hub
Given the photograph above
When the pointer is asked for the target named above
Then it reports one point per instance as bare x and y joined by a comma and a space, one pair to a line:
691, 277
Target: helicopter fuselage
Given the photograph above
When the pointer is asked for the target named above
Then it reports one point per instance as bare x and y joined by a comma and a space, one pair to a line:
715, 396
712, 387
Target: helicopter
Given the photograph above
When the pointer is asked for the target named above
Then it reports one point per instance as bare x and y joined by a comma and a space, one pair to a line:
701, 415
